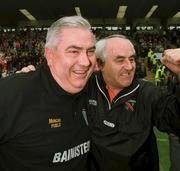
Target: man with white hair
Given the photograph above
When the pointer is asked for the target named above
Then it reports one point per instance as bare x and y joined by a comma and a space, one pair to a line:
123, 109
43, 124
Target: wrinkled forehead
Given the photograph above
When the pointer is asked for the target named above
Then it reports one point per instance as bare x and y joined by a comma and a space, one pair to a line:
79, 30
120, 46
74, 36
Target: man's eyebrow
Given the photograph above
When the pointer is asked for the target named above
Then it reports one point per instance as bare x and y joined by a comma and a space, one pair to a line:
79, 48
121, 56
74, 47
133, 55
93, 47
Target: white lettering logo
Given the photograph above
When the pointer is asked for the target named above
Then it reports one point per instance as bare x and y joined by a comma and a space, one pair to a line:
92, 102
109, 124
71, 153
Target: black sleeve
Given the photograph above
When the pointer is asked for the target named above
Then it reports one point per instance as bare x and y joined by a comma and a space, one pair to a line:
166, 112
177, 92
4, 123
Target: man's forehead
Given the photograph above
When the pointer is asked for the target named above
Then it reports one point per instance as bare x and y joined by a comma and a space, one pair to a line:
119, 44
77, 37
71, 30
118, 41
116, 50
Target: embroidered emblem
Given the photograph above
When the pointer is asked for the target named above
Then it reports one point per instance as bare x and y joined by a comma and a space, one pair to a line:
55, 122
129, 105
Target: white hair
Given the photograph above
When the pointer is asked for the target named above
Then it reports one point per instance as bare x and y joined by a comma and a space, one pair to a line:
55, 29
101, 45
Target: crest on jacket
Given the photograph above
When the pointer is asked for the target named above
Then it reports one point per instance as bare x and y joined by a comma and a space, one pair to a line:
130, 104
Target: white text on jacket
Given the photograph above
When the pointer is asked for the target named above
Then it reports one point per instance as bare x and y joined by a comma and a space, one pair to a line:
71, 153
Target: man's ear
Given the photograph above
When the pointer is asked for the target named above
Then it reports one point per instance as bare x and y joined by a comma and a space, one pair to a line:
100, 64
49, 55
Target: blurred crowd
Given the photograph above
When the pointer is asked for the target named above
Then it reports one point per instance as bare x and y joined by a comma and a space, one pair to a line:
21, 48
18, 49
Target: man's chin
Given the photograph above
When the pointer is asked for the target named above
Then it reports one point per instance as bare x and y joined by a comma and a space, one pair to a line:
80, 85
127, 84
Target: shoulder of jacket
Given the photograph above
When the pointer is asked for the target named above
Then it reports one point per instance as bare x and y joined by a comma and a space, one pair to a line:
19, 82
147, 85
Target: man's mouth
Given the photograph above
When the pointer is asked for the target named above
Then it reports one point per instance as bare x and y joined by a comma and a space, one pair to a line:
80, 73
125, 74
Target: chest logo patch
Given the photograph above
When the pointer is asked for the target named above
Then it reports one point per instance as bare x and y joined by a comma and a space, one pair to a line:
130, 104
109, 124
92, 102
55, 122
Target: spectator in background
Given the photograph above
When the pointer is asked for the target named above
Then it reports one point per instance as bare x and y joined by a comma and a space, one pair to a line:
3, 63
140, 68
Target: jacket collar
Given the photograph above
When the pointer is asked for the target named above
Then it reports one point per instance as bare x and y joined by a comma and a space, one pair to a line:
126, 91
53, 86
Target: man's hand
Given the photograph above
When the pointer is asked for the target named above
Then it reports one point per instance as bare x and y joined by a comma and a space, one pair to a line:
171, 59
27, 69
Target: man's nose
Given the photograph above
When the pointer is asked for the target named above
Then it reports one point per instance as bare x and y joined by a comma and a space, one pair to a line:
84, 59
128, 65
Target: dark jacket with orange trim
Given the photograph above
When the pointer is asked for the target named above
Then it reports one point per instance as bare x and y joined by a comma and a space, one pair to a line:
122, 131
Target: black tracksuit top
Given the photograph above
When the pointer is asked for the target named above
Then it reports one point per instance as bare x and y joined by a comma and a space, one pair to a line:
122, 131
42, 127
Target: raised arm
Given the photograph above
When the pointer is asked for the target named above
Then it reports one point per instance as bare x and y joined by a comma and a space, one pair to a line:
171, 59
